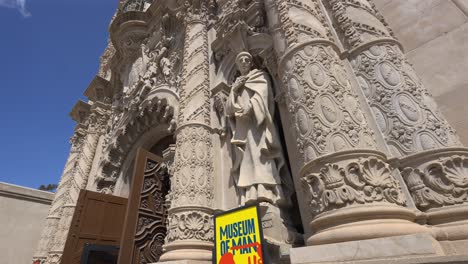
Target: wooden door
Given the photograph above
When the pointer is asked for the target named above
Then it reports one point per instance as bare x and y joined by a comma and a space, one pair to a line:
98, 220
145, 222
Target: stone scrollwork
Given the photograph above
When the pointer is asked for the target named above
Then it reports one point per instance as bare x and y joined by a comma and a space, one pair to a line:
368, 180
190, 225
440, 183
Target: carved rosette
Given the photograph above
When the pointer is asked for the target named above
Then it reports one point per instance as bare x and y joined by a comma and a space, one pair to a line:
364, 180
327, 113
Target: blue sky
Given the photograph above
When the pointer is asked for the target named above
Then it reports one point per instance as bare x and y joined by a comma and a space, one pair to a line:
49, 53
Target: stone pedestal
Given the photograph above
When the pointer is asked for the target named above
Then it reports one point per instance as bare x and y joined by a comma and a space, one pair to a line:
385, 250
355, 196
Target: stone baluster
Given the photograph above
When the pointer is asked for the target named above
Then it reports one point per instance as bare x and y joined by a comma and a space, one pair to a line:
90, 129
349, 191
190, 229
433, 162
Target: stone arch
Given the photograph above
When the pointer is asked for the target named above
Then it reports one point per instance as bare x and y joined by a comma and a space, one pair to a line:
143, 126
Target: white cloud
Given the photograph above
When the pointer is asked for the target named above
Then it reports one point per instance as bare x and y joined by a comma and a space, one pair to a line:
20, 5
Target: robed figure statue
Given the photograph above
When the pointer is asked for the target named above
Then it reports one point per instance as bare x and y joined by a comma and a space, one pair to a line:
258, 157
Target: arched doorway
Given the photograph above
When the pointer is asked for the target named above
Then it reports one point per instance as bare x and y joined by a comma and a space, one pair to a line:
145, 224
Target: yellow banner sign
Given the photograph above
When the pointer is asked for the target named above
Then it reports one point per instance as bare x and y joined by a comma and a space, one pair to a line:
239, 237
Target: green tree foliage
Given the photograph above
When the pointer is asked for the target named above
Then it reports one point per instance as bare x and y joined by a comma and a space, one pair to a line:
48, 187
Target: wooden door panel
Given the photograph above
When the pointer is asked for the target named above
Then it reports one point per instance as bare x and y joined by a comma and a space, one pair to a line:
98, 219
145, 223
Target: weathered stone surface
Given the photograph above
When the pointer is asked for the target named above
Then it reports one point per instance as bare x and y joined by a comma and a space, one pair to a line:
410, 246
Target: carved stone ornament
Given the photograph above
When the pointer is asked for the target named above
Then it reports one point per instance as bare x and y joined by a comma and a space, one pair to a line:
192, 183
440, 182
190, 225
363, 181
405, 112
154, 112
366, 27
238, 22
326, 111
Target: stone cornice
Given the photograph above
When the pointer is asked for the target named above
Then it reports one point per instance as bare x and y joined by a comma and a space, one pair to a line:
99, 90
80, 112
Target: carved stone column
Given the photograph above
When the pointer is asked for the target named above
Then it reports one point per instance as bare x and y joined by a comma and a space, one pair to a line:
89, 130
351, 191
53, 218
431, 157
190, 230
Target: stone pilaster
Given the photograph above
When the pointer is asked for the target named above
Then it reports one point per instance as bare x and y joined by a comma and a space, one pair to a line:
91, 122
53, 218
434, 163
190, 230
350, 190
78, 181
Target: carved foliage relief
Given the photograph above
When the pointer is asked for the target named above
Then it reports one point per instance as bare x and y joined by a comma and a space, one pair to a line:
190, 225
363, 181
443, 182
405, 112
327, 113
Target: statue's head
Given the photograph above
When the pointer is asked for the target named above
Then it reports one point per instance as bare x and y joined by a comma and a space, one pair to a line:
244, 62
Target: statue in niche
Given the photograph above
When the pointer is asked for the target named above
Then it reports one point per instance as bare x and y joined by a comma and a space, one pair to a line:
258, 157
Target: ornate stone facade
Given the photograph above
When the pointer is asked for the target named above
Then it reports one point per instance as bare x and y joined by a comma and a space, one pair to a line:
317, 95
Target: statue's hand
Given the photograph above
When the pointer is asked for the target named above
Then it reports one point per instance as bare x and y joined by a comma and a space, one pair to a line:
240, 81
236, 86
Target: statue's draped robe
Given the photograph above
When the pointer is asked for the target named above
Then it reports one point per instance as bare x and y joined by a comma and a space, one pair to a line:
258, 155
